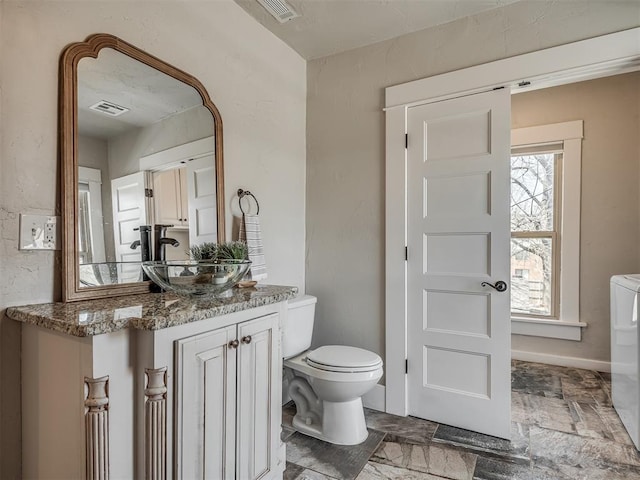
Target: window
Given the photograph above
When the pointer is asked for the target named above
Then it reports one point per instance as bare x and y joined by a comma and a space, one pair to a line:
521, 273
535, 217
545, 230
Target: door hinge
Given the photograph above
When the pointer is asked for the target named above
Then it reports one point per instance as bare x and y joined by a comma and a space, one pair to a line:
406, 140
406, 254
406, 365
148, 192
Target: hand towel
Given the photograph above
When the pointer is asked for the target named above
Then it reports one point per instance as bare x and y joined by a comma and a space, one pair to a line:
251, 234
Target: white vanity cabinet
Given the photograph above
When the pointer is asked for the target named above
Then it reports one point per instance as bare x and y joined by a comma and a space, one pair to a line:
228, 397
223, 396
154, 387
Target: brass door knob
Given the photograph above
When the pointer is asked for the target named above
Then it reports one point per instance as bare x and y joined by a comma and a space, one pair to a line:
246, 340
234, 344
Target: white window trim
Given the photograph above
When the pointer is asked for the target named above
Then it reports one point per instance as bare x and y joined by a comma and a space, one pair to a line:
568, 325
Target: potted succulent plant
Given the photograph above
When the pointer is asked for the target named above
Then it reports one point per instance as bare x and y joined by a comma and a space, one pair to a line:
221, 253
235, 250
205, 251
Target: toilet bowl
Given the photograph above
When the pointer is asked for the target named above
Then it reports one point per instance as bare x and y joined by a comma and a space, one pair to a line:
328, 382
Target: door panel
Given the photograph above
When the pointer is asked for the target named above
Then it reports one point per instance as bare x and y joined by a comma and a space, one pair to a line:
459, 344
259, 397
206, 406
442, 195
467, 254
445, 134
201, 187
466, 373
130, 210
467, 314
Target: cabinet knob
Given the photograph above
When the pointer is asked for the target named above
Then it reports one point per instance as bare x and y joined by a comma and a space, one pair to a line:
246, 340
234, 344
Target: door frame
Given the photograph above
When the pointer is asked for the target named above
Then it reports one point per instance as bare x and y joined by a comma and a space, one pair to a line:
587, 59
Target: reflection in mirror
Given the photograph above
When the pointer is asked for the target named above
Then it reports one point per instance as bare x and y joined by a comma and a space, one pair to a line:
132, 125
145, 156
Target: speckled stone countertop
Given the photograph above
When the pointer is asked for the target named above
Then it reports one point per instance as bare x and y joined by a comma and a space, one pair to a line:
149, 311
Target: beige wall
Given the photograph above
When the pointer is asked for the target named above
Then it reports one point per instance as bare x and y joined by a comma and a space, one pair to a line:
256, 81
345, 142
126, 149
610, 234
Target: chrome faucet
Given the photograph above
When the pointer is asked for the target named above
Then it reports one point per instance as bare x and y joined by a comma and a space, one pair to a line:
160, 240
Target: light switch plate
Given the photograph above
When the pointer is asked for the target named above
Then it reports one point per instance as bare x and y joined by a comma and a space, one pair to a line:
39, 232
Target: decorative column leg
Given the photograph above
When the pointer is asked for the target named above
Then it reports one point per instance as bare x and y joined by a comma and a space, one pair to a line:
156, 424
97, 428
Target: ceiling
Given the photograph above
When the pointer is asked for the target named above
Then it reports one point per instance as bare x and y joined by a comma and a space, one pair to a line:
149, 94
325, 27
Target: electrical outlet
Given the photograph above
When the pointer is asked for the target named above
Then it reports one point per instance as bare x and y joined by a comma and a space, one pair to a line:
39, 232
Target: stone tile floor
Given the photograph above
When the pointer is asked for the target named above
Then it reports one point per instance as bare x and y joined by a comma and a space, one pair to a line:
563, 428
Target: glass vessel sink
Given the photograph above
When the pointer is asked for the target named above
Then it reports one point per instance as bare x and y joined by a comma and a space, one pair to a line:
198, 278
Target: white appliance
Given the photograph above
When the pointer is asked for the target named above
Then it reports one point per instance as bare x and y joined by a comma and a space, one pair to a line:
328, 382
625, 378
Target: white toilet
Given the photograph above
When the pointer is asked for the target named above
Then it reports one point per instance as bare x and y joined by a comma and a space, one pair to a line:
328, 382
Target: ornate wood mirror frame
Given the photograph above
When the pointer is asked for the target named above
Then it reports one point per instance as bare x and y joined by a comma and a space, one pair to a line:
68, 149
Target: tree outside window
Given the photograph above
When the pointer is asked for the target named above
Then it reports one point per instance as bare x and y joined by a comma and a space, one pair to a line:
534, 238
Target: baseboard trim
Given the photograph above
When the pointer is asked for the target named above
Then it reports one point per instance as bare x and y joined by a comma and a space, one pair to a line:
575, 362
375, 398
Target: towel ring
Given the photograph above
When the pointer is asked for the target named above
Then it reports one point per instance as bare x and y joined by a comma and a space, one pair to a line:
243, 193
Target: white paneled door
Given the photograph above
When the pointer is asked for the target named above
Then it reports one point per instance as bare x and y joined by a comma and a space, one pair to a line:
130, 210
459, 343
201, 187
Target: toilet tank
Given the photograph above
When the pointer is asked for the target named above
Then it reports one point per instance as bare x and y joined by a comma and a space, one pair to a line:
298, 328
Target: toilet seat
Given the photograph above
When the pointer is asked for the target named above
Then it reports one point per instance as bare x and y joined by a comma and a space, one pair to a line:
300, 364
345, 359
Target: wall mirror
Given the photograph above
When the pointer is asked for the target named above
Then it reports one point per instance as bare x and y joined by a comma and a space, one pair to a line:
140, 144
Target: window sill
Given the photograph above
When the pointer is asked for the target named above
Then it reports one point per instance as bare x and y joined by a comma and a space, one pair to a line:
537, 327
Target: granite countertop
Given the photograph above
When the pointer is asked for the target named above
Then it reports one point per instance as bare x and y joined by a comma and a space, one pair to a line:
149, 311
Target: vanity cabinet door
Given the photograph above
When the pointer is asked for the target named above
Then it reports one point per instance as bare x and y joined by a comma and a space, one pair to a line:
206, 405
259, 398
228, 402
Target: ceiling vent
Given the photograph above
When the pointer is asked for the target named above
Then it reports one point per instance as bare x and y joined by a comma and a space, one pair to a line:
109, 108
279, 9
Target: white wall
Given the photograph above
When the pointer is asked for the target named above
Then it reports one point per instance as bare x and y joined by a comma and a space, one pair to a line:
256, 81
345, 142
